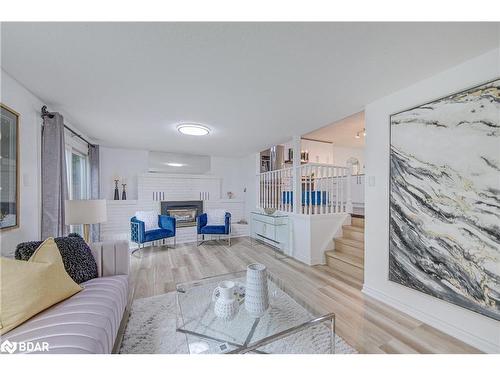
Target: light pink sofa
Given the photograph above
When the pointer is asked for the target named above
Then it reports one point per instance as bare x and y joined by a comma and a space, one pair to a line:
89, 321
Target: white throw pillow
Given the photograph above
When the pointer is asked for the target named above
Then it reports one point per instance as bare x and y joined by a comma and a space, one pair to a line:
150, 219
216, 217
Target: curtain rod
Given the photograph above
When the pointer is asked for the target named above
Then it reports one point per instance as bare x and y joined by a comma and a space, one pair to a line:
44, 113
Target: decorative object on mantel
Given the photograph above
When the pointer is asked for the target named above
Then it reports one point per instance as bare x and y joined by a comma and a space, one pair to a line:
117, 193
444, 173
124, 193
230, 195
256, 293
226, 305
9, 168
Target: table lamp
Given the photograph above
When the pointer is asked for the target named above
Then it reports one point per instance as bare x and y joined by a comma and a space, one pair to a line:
86, 212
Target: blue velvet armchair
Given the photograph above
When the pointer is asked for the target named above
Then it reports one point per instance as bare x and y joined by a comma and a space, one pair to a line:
213, 230
140, 236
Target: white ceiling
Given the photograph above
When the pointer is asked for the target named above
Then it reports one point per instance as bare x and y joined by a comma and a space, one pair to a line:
342, 133
254, 84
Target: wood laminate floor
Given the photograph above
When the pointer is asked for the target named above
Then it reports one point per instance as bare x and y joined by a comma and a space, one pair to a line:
365, 323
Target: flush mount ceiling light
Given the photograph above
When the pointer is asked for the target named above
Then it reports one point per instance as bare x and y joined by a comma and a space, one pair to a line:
174, 164
193, 129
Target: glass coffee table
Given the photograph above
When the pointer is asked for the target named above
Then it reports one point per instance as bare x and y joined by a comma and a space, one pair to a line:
289, 326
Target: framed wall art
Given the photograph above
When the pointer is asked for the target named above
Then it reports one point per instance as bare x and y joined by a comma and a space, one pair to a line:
445, 199
9, 168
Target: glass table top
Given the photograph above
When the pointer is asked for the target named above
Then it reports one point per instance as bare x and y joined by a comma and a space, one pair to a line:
206, 333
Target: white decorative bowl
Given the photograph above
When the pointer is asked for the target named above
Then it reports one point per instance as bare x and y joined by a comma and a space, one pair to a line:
270, 211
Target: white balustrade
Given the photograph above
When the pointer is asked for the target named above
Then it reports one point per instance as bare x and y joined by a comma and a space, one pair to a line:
318, 189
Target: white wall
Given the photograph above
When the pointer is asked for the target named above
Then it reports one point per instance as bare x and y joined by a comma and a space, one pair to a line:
327, 153
122, 164
237, 174
319, 152
312, 235
233, 172
468, 326
28, 106
188, 164
342, 154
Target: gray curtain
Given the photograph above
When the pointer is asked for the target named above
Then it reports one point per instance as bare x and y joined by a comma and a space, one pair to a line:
54, 180
95, 229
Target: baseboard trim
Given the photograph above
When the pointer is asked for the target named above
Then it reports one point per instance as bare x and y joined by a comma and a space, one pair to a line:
452, 330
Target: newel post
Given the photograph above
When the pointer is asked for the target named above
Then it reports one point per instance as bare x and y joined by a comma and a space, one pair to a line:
348, 204
297, 175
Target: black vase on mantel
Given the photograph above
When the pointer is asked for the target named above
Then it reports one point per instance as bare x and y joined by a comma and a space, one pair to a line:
124, 193
117, 193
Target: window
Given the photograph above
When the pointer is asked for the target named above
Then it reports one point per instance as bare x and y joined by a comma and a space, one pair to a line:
78, 185
78, 173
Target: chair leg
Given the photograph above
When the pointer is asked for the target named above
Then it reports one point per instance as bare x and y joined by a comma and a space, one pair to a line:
138, 248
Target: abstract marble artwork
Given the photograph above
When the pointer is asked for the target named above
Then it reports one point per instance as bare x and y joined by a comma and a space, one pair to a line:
445, 199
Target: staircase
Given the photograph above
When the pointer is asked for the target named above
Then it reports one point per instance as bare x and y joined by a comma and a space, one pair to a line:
347, 260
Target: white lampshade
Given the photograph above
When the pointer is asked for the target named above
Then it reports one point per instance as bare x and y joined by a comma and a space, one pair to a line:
90, 211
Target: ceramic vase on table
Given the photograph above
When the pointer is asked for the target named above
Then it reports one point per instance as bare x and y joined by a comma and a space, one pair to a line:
256, 293
226, 305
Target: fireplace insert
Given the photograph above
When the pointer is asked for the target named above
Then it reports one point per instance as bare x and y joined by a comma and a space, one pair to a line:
185, 212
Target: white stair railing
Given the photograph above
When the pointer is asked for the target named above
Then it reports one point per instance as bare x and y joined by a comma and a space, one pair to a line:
310, 189
275, 189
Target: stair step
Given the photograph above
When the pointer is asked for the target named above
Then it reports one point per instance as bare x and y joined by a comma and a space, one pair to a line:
358, 222
351, 242
341, 263
353, 233
352, 260
354, 228
342, 245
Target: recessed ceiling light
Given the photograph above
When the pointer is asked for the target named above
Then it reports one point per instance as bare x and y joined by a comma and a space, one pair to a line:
193, 129
174, 164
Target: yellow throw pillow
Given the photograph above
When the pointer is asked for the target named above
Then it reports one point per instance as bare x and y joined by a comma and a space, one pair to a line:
28, 287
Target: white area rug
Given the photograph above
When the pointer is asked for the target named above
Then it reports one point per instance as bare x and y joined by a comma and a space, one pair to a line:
152, 329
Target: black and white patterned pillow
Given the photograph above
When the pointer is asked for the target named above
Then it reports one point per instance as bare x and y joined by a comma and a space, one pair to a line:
76, 255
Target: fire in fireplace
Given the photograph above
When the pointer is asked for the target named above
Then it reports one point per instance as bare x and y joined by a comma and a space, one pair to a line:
185, 212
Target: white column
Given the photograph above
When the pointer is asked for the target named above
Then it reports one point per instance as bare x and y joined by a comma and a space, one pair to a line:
348, 206
297, 177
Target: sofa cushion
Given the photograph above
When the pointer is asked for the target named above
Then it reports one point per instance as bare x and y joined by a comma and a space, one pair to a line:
76, 255
216, 217
86, 323
158, 234
213, 229
26, 288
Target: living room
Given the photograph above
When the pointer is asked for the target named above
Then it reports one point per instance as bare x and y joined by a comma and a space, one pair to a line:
212, 188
